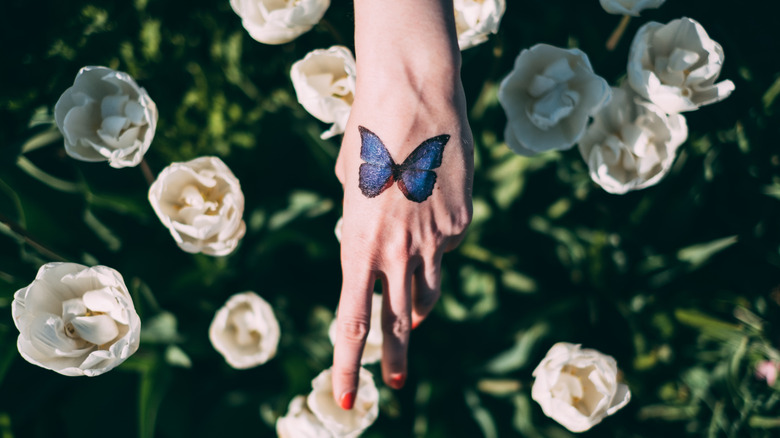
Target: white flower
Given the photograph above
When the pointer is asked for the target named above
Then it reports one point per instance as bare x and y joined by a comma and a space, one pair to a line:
476, 19
201, 203
76, 320
106, 116
300, 422
578, 388
324, 82
245, 331
675, 66
631, 143
279, 21
548, 98
344, 423
372, 352
630, 7
338, 230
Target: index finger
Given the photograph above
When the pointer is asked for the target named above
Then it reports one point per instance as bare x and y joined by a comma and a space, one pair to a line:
352, 325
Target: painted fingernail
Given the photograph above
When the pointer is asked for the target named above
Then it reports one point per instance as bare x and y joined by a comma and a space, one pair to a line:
397, 380
347, 400
416, 324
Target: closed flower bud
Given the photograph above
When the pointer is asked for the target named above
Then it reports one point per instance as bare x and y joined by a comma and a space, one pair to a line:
324, 82
245, 331
475, 20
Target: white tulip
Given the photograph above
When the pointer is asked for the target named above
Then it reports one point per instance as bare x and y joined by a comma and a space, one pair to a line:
476, 19
631, 143
578, 388
106, 116
201, 203
675, 66
279, 21
300, 422
342, 423
630, 7
245, 331
372, 352
76, 320
338, 230
324, 82
548, 98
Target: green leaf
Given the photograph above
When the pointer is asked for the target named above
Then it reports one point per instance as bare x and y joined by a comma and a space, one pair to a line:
112, 241
300, 203
481, 415
518, 282
52, 181
759, 422
499, 387
701, 321
700, 253
42, 139
155, 381
771, 94
5, 426
161, 329
7, 350
175, 356
518, 355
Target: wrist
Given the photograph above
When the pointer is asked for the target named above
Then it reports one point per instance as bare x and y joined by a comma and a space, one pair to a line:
406, 40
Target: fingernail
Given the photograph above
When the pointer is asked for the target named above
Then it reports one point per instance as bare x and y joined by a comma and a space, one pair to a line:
416, 324
397, 380
347, 400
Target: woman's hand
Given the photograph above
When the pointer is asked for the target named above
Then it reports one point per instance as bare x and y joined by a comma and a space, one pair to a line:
408, 91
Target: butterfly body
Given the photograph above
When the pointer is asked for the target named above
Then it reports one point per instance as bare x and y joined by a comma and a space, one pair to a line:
415, 176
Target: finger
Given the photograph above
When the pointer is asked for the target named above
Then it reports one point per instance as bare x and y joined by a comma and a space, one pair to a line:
352, 325
396, 319
426, 288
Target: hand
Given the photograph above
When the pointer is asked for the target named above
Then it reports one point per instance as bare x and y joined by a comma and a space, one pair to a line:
388, 237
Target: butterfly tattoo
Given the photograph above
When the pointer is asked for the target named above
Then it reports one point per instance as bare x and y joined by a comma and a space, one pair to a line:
415, 175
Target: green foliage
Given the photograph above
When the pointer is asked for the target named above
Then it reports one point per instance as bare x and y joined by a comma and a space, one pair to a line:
679, 282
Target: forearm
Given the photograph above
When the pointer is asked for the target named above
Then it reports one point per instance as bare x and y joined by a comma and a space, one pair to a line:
406, 42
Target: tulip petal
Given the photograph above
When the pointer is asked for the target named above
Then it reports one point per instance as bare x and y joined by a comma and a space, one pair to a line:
98, 329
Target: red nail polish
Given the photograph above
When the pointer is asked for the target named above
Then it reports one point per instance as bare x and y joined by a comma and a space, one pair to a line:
347, 400
416, 324
397, 380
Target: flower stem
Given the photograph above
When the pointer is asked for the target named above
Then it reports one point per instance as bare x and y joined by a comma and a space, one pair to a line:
21, 232
147, 171
614, 39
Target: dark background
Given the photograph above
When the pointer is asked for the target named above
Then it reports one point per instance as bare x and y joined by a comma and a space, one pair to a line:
679, 282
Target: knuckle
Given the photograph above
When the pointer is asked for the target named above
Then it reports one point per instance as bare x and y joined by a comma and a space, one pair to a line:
461, 219
353, 330
398, 249
398, 326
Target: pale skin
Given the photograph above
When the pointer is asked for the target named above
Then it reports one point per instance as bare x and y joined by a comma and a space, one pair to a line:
408, 90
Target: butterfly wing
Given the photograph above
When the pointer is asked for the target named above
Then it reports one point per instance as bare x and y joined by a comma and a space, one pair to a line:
417, 175
374, 179
416, 184
376, 174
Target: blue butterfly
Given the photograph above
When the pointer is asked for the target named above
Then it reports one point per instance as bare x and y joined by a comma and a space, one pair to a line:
415, 175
